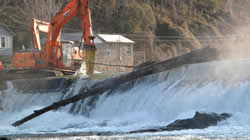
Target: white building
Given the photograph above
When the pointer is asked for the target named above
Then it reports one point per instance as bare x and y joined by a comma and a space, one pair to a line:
111, 50
6, 41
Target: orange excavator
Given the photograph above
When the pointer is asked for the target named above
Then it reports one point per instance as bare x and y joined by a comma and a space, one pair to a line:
59, 55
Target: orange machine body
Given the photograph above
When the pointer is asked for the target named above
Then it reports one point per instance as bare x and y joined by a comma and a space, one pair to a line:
55, 53
1, 65
27, 59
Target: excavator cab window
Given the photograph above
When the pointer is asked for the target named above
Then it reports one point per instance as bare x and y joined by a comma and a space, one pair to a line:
67, 49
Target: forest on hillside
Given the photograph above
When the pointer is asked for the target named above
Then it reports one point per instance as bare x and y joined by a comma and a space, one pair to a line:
164, 28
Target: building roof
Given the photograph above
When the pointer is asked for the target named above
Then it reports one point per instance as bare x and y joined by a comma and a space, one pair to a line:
5, 30
100, 38
112, 38
77, 36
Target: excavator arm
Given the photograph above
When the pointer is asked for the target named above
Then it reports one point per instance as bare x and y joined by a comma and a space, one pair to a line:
73, 8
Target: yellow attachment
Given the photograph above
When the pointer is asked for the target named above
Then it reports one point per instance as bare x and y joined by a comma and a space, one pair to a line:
90, 53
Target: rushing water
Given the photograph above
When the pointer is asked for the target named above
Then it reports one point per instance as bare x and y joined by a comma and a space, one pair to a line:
149, 102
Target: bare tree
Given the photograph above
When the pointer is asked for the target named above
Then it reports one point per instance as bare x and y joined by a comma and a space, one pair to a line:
229, 7
40, 9
3, 6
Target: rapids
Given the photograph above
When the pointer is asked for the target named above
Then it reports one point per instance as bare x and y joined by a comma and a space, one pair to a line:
148, 102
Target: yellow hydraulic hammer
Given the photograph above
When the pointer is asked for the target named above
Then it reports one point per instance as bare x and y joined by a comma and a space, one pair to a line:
90, 54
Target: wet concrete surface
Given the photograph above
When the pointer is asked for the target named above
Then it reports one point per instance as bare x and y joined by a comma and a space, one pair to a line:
34, 82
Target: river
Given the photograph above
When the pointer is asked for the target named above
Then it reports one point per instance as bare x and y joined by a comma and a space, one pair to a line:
149, 102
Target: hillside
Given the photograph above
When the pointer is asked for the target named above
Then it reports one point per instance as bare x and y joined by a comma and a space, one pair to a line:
182, 25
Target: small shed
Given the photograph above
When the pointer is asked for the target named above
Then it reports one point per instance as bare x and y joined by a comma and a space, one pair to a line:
115, 50
6, 41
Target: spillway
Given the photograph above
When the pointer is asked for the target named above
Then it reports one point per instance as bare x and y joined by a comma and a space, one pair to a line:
149, 102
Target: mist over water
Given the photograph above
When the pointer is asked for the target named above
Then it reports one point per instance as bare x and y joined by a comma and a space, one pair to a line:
149, 102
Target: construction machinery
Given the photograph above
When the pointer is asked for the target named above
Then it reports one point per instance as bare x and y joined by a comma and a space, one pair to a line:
55, 54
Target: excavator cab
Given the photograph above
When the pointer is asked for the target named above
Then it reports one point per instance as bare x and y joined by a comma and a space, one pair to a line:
67, 49
68, 56
72, 56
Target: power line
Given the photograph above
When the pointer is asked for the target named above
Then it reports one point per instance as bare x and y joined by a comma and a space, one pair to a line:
196, 36
164, 38
190, 40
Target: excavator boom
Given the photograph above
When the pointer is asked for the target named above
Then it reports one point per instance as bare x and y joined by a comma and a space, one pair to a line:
38, 26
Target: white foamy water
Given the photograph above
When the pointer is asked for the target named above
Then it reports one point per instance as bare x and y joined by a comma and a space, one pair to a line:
151, 102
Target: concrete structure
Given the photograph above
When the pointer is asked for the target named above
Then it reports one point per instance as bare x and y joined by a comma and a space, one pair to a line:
111, 50
6, 41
